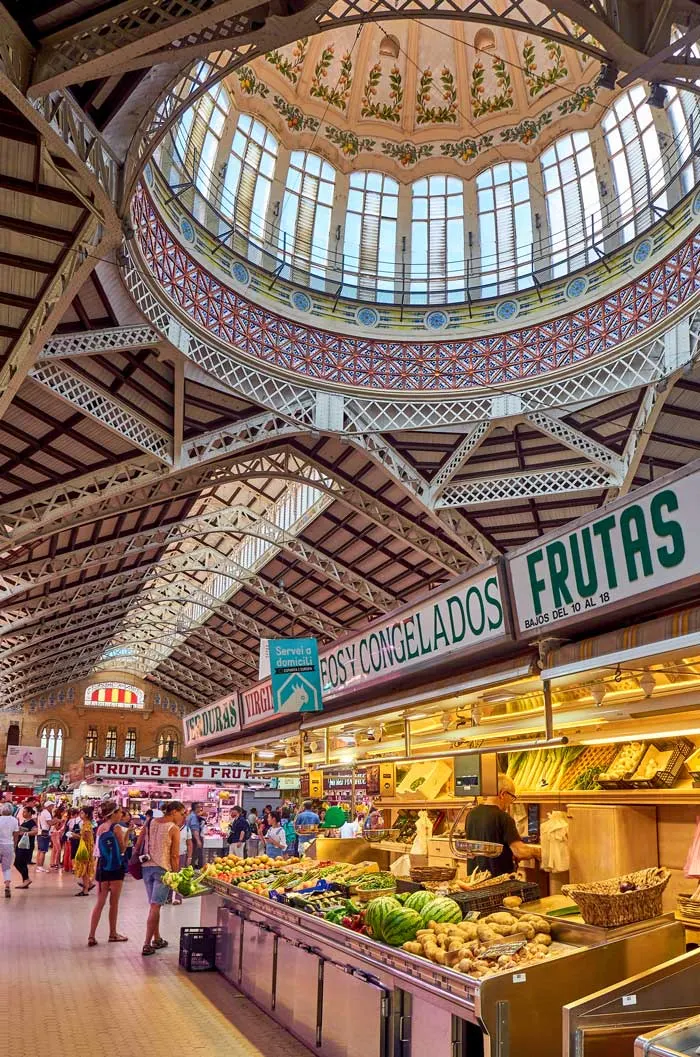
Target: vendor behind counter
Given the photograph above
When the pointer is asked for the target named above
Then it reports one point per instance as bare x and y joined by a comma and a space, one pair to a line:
490, 821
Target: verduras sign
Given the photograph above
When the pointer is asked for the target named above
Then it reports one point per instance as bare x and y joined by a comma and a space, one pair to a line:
468, 614
649, 541
213, 721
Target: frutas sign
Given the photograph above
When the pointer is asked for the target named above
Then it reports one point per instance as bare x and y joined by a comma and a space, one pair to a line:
213, 721
647, 542
173, 772
468, 614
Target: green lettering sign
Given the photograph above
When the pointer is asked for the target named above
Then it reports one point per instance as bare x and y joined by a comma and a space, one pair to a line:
673, 554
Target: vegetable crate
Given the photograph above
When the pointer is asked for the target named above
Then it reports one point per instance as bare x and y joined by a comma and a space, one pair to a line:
198, 948
486, 899
682, 750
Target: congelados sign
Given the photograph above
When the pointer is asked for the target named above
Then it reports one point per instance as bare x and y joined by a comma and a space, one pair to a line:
645, 543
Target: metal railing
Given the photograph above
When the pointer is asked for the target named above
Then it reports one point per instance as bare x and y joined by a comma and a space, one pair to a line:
400, 281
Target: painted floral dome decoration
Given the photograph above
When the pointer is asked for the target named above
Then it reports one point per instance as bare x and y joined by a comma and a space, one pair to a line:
416, 91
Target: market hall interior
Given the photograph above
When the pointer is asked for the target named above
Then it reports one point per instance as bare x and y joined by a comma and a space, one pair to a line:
349, 504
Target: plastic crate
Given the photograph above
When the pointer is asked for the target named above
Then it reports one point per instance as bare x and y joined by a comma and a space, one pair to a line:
682, 748
198, 948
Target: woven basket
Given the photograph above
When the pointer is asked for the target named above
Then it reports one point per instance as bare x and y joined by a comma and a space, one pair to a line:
603, 904
421, 874
367, 895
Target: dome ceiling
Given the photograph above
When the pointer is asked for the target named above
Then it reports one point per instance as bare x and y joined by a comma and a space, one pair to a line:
418, 91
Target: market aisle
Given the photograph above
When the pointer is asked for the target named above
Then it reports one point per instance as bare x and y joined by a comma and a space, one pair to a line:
60, 998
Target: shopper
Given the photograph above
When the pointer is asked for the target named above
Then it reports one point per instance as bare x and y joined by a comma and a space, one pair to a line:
162, 845
289, 832
8, 827
195, 827
238, 832
24, 845
185, 856
306, 817
490, 822
44, 835
275, 839
71, 839
58, 828
84, 856
110, 842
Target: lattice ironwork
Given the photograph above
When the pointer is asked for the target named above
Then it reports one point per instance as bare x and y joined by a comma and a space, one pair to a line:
557, 481
66, 118
576, 441
16, 53
466, 447
96, 342
104, 408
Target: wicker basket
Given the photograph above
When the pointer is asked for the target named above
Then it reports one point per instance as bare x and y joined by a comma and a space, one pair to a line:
603, 904
367, 894
421, 874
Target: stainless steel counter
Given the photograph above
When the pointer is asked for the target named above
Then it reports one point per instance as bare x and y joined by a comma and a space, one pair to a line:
346, 995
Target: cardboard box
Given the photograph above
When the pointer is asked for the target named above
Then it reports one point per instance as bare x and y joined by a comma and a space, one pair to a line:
425, 780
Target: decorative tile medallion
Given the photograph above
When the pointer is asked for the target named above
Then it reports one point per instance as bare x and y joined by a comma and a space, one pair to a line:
300, 301
187, 229
576, 288
367, 317
240, 273
507, 310
436, 319
696, 203
642, 251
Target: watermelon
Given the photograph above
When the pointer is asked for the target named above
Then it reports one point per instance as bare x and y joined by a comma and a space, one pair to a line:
377, 910
441, 909
417, 900
400, 926
402, 897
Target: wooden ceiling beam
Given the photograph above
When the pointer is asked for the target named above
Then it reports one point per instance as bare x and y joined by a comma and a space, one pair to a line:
62, 236
38, 190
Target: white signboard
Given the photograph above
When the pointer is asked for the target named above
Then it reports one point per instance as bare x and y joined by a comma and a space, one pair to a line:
643, 544
25, 759
169, 772
457, 618
264, 659
213, 721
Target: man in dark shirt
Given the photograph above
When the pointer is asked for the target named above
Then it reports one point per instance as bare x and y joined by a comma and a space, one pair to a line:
490, 821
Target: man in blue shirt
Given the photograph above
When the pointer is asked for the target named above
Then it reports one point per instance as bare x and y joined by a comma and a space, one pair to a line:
306, 817
194, 825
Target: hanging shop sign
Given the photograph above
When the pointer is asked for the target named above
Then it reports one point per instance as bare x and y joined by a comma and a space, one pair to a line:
642, 544
171, 772
339, 783
25, 759
468, 614
213, 721
294, 675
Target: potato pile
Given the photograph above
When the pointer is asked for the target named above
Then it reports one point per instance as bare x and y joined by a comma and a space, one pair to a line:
461, 946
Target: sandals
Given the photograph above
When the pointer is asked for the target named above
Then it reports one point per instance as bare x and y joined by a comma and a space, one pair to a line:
116, 938
81, 893
92, 942
8, 894
20, 887
147, 949
159, 944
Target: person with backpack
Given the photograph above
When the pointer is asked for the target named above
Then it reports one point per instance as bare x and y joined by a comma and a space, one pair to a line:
110, 846
238, 832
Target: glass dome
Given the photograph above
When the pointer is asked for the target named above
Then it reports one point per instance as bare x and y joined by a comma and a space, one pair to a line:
354, 167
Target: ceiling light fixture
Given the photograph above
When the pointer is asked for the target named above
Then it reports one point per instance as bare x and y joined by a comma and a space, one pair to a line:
265, 754
607, 78
657, 96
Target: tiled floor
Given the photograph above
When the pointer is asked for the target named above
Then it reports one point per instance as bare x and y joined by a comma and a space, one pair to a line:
61, 999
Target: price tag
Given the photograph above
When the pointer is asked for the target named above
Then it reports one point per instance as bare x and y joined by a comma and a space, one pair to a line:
519, 978
472, 915
629, 1000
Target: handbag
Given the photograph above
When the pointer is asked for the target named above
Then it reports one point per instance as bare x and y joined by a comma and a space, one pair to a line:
24, 842
135, 867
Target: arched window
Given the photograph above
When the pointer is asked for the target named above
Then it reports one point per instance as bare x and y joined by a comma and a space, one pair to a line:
91, 743
111, 744
198, 133
168, 744
505, 228
130, 745
684, 115
51, 739
635, 157
573, 202
248, 179
369, 247
12, 735
437, 239
305, 219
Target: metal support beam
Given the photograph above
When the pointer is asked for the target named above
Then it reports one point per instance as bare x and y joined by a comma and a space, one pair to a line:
100, 342
557, 481
577, 442
474, 436
100, 405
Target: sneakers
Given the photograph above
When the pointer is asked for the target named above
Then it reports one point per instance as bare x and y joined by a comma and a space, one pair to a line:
41, 869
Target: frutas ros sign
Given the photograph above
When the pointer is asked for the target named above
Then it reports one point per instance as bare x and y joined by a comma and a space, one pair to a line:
649, 541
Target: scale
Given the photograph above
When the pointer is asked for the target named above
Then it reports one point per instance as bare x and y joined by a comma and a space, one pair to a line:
463, 848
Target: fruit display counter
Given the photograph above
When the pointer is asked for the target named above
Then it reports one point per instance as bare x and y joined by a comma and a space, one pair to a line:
448, 991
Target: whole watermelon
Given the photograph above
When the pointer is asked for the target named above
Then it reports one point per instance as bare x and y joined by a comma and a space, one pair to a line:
377, 910
441, 909
417, 900
400, 926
